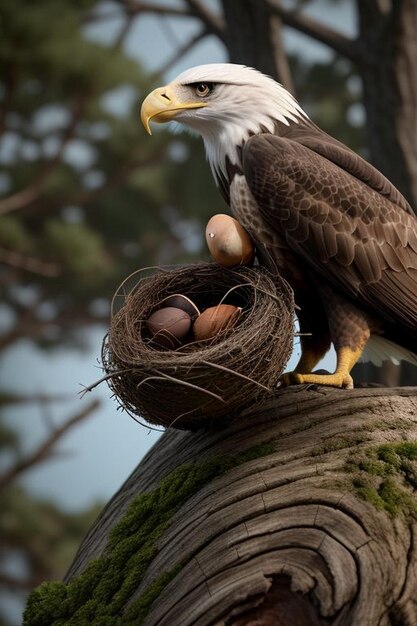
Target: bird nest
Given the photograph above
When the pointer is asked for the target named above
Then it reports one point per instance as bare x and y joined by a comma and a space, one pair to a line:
201, 381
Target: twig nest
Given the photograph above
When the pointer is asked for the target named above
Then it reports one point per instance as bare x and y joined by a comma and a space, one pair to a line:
228, 242
203, 379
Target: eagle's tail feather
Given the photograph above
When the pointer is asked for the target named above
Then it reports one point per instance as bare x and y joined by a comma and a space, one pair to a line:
379, 349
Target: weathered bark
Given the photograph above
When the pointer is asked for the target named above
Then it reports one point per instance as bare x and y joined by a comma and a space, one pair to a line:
305, 533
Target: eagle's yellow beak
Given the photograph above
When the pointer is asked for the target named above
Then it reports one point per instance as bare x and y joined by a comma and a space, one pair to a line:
162, 105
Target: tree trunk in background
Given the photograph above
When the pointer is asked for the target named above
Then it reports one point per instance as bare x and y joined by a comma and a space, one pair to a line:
388, 37
253, 37
315, 525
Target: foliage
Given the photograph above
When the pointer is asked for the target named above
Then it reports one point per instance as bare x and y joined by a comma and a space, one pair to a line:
38, 539
81, 206
43, 535
83, 191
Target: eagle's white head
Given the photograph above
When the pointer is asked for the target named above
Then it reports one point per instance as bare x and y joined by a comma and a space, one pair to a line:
224, 103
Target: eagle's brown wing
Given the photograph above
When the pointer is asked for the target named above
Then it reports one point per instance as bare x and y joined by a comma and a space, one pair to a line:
352, 235
311, 136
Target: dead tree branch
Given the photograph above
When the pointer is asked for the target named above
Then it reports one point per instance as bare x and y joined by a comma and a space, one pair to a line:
133, 8
29, 264
26, 196
180, 52
12, 399
212, 21
46, 448
293, 18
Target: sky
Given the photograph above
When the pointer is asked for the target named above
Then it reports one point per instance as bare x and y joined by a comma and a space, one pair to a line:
96, 457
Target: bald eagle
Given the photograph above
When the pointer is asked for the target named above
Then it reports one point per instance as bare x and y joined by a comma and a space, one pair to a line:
338, 231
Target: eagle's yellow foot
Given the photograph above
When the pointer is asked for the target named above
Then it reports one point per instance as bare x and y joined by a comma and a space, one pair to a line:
346, 359
338, 379
287, 379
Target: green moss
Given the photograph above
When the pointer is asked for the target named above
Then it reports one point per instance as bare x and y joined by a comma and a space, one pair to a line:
46, 603
139, 609
386, 477
367, 491
405, 450
338, 443
98, 596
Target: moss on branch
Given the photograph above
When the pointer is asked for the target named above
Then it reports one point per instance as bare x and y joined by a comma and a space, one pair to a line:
100, 594
386, 477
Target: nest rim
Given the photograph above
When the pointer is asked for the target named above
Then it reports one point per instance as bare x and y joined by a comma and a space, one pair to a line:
135, 370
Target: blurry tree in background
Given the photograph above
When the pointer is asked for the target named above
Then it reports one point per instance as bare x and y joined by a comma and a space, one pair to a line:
85, 200
82, 191
38, 540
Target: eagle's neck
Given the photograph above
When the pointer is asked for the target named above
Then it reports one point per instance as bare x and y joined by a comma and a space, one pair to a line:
224, 142
225, 154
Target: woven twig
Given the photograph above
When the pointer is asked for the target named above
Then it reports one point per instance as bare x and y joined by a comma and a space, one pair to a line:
200, 381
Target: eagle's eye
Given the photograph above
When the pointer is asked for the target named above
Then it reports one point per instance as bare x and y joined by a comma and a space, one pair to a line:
203, 89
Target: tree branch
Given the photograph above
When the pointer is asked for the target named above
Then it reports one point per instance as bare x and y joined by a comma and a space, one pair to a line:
12, 399
124, 31
25, 325
28, 325
355, 525
44, 451
85, 198
181, 51
26, 196
349, 48
281, 58
212, 21
133, 8
16, 584
29, 264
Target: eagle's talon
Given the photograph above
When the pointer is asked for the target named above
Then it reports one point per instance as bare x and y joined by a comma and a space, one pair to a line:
289, 378
339, 379
348, 382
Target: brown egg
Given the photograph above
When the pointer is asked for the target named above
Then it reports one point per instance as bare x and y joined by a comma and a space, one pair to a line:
179, 301
168, 326
229, 243
214, 320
